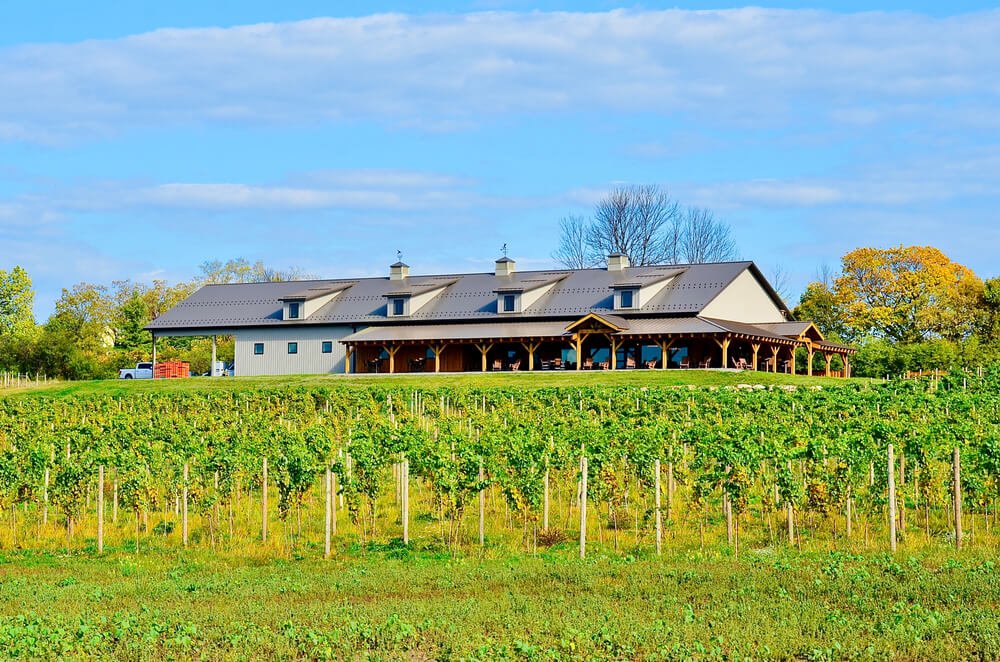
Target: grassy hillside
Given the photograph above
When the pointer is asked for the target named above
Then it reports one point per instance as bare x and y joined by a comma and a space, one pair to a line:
429, 380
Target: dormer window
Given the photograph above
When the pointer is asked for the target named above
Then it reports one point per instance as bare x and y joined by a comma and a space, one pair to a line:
626, 299
397, 307
508, 303
293, 310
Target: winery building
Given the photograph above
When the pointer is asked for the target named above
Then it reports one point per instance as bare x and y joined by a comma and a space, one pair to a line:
718, 315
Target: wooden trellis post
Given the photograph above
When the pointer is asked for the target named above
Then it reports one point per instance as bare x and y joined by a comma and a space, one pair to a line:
263, 502
659, 520
100, 509
891, 466
184, 507
328, 494
583, 506
956, 486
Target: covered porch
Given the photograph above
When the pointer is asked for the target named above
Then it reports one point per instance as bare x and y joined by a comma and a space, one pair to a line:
593, 342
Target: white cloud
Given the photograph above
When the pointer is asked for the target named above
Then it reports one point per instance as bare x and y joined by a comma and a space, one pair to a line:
443, 72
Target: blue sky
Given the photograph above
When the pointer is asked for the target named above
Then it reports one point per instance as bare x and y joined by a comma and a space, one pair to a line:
139, 141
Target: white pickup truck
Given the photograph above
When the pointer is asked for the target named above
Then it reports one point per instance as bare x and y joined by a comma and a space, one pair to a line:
140, 371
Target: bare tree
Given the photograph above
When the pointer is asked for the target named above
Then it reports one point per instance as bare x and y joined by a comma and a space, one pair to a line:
780, 281
574, 252
824, 276
634, 220
704, 238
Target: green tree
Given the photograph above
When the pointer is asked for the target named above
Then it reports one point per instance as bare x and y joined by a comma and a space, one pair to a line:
819, 304
16, 301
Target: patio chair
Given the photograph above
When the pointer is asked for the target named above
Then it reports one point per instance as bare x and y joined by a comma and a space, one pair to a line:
588, 363
650, 364
497, 365
602, 365
685, 363
557, 364
705, 362
515, 365
629, 363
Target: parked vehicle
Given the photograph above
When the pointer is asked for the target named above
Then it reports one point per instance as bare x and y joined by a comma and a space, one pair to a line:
140, 371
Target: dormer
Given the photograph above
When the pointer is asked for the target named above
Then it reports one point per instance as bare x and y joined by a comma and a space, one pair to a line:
638, 288
521, 295
627, 296
405, 301
300, 305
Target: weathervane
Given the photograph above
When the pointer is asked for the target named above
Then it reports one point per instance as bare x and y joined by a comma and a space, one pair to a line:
399, 255
504, 249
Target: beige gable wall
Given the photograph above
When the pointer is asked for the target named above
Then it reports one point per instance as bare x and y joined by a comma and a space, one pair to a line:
744, 301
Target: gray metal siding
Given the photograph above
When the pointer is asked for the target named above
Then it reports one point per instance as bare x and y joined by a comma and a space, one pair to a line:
277, 361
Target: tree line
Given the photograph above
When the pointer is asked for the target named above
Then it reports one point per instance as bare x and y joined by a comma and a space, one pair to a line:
96, 329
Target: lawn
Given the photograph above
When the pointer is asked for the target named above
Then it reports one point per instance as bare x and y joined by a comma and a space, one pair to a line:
393, 603
661, 378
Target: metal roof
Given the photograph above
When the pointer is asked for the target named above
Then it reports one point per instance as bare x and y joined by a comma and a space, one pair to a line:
470, 298
478, 331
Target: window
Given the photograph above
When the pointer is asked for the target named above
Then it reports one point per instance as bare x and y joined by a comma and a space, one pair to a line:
327, 347
398, 307
258, 349
293, 311
293, 348
626, 299
508, 303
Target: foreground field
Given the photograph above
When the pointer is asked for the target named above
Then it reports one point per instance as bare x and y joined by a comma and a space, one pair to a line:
423, 605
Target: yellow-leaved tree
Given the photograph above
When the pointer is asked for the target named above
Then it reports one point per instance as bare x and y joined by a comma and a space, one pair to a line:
907, 294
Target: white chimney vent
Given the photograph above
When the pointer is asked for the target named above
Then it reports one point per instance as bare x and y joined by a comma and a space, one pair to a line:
399, 271
618, 262
505, 266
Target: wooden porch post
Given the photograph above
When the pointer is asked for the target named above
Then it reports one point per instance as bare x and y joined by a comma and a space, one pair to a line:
615, 345
211, 370
828, 356
391, 350
756, 349
437, 349
665, 346
348, 353
578, 348
154, 355
809, 366
531, 348
484, 349
724, 344
775, 352
791, 360
847, 367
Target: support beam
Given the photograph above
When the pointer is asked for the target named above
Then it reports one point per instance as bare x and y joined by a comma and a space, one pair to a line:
665, 346
531, 349
756, 350
791, 360
828, 357
484, 349
775, 355
615, 346
211, 369
437, 349
578, 348
392, 350
809, 365
154, 355
847, 366
348, 354
724, 346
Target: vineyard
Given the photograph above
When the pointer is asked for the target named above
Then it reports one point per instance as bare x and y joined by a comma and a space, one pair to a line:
326, 474
799, 465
